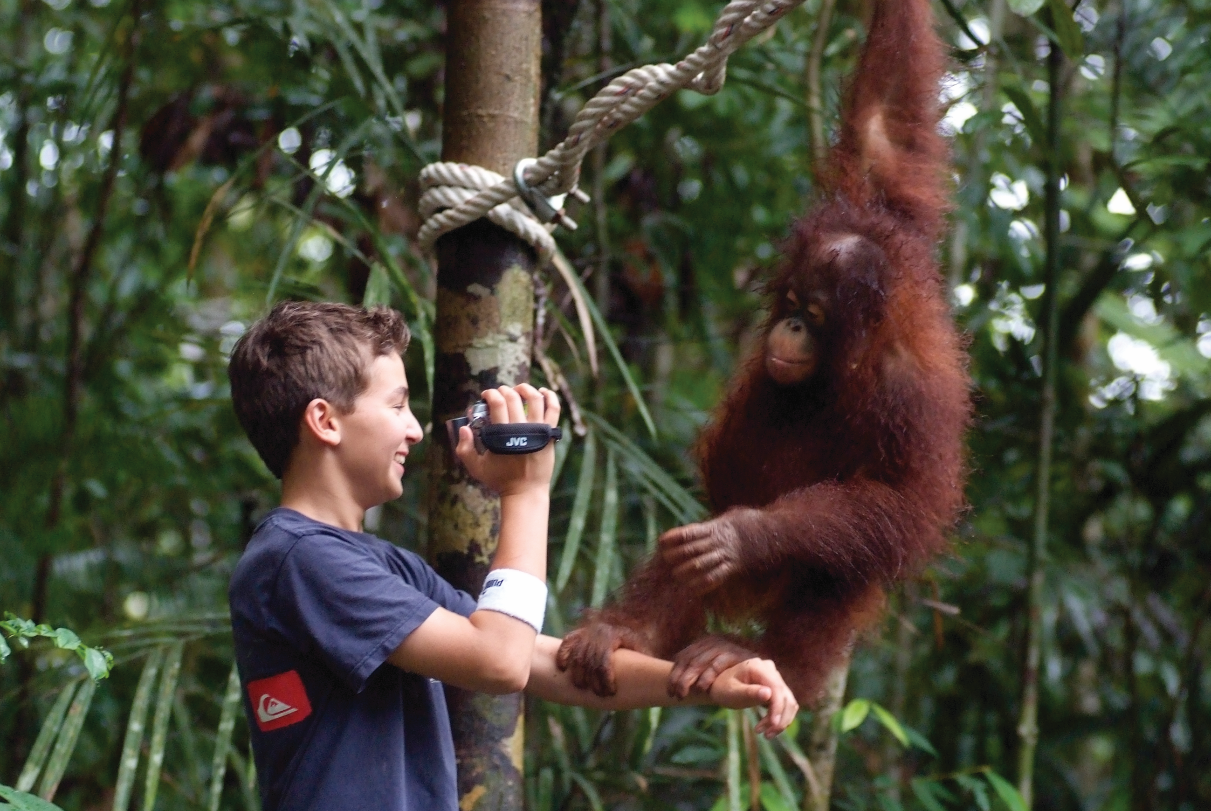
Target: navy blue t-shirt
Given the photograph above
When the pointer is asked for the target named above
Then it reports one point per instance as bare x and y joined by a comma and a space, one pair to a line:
316, 610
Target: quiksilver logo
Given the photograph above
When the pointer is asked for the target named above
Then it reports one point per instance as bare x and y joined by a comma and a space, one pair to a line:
279, 701
270, 709
517, 442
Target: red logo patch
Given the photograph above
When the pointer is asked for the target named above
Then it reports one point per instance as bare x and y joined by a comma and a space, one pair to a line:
279, 701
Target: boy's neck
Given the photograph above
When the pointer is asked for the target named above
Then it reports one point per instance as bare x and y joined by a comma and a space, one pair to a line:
321, 498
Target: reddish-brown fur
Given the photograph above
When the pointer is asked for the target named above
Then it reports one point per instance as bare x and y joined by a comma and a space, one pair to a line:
839, 486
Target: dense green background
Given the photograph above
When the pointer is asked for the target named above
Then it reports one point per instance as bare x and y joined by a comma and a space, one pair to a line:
127, 490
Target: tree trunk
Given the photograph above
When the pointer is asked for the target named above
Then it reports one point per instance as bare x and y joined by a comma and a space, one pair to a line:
484, 336
1028, 726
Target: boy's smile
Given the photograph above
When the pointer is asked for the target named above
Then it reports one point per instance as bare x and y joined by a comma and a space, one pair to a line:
377, 434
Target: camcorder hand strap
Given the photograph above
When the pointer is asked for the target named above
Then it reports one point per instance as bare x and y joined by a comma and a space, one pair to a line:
518, 437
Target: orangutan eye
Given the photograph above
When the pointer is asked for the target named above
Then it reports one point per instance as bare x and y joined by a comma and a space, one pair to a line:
792, 300
815, 314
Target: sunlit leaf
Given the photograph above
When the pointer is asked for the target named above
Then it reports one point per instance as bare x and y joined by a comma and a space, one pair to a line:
854, 714
1025, 7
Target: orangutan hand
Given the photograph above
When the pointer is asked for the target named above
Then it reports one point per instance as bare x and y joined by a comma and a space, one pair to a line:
703, 556
698, 665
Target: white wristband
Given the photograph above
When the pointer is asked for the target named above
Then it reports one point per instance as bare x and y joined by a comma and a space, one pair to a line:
517, 594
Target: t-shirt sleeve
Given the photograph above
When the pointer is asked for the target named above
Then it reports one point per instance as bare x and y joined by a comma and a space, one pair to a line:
346, 606
432, 584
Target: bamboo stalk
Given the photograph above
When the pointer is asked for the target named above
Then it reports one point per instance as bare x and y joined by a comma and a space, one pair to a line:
1028, 728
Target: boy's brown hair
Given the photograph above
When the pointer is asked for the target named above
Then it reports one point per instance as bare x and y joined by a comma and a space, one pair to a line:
299, 352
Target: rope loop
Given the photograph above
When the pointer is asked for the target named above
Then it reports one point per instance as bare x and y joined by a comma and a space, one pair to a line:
456, 194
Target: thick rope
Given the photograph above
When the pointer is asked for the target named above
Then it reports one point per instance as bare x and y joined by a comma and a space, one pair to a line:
455, 194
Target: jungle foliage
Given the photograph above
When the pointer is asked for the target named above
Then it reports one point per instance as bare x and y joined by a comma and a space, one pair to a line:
169, 169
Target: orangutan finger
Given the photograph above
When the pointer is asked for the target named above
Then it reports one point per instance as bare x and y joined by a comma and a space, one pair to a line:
680, 535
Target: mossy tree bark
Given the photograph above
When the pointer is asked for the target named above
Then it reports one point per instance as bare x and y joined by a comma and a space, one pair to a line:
484, 336
822, 739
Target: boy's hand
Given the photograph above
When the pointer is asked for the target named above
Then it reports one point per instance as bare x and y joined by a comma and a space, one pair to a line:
513, 475
757, 682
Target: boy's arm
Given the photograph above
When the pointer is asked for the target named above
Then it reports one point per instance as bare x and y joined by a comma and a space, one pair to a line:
489, 651
643, 681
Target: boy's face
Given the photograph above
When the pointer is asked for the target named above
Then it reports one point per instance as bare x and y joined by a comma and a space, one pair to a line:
377, 434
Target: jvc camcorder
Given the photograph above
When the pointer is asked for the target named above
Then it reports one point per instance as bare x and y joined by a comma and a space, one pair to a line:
510, 438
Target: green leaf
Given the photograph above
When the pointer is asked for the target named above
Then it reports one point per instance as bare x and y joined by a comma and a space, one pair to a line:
1174, 348
1025, 8
5, 650
608, 339
132, 744
65, 638
590, 791
46, 737
854, 714
378, 287
159, 724
222, 738
978, 790
773, 800
1068, 33
1030, 114
562, 448
889, 721
580, 511
1006, 791
924, 791
679, 501
606, 539
918, 740
66, 744
98, 663
889, 803
20, 801
769, 758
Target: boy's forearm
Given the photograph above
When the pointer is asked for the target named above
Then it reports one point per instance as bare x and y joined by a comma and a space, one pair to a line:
523, 532
642, 681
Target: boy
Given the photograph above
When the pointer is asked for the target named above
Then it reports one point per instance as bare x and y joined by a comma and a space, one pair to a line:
342, 640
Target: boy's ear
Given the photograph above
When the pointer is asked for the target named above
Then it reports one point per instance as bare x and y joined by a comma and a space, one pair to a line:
322, 421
